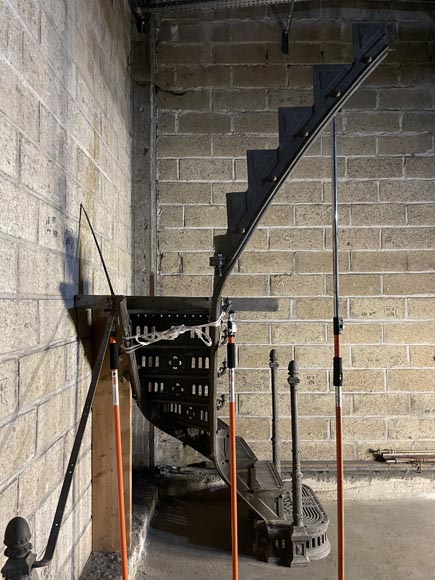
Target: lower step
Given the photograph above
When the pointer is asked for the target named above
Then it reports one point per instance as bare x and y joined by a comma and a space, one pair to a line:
289, 546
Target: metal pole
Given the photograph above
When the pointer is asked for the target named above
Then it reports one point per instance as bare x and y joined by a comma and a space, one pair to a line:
114, 359
231, 360
338, 366
276, 452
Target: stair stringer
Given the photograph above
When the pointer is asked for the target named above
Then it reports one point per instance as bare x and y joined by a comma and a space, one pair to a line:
267, 170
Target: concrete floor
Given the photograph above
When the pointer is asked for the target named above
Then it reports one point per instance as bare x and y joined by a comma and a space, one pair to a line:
392, 540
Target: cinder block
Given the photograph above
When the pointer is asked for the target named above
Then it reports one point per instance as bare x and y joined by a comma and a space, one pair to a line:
313, 308
418, 121
8, 388
356, 429
41, 374
198, 100
220, 190
365, 99
258, 357
19, 325
282, 312
350, 145
313, 428
421, 167
41, 175
54, 418
186, 192
40, 273
240, 170
9, 148
317, 356
289, 98
247, 285
374, 168
405, 144
384, 405
357, 284
251, 380
253, 429
316, 168
258, 122
201, 31
379, 215
379, 356
297, 285
383, 261
319, 215
296, 239
196, 263
411, 191
206, 169
18, 444
183, 53
410, 428
293, 191
319, 262
421, 308
236, 145
41, 478
357, 380
239, 53
171, 216
351, 191
422, 356
301, 53
253, 31
204, 123
372, 122
412, 238
239, 100
423, 404
8, 268
30, 12
298, 333
167, 169
185, 240
165, 123
409, 332
79, 362
355, 238
374, 308
265, 262
421, 215
417, 75
320, 404
403, 98
205, 216
194, 77
362, 333
253, 333
186, 285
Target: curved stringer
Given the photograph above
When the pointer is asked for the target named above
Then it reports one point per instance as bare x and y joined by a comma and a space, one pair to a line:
259, 483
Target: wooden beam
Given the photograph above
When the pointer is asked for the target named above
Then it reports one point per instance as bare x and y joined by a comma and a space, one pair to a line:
105, 511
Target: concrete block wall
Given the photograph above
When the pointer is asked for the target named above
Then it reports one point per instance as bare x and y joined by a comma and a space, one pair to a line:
65, 139
220, 78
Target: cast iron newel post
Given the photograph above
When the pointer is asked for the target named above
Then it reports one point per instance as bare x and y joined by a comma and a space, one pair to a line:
299, 536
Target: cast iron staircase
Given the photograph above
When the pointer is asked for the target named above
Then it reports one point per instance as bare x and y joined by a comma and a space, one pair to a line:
177, 389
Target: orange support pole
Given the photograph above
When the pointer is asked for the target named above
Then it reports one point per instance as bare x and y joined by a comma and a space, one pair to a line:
113, 348
231, 356
338, 368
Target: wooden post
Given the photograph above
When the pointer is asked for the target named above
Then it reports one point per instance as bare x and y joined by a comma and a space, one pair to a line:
106, 535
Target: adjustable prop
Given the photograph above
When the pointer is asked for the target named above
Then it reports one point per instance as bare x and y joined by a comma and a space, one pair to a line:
338, 365
231, 361
114, 358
